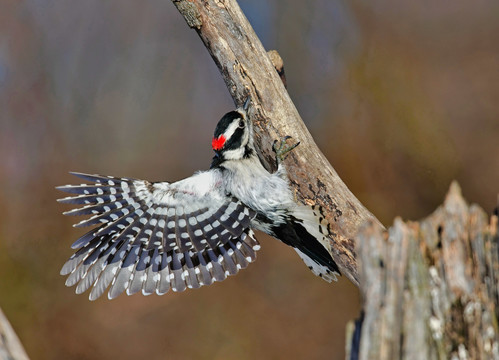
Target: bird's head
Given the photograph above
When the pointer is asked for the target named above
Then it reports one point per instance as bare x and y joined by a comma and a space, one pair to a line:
233, 137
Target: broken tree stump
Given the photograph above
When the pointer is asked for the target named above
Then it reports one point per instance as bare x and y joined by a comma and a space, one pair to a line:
10, 346
430, 289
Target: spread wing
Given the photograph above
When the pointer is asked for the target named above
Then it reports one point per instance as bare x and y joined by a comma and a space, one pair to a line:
151, 237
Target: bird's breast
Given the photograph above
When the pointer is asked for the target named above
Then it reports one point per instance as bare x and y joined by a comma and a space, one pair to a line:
263, 192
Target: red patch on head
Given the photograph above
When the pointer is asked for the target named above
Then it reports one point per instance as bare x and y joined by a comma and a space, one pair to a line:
217, 144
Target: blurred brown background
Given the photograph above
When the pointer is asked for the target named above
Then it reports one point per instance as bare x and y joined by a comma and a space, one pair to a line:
402, 97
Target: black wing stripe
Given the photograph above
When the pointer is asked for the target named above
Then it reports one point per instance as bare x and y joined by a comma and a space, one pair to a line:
151, 282
178, 280
144, 242
247, 252
96, 209
209, 226
86, 189
209, 234
164, 275
190, 272
112, 265
84, 240
130, 221
102, 179
146, 227
239, 220
139, 273
77, 258
222, 216
205, 276
81, 271
228, 263
201, 231
91, 199
248, 246
168, 240
195, 230
216, 267
122, 279
95, 270
239, 257
184, 243
250, 241
107, 215
156, 234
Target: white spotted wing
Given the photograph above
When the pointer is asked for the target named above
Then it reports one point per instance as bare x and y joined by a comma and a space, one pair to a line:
152, 237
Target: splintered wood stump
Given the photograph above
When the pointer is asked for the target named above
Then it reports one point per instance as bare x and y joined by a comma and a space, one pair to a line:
430, 288
10, 346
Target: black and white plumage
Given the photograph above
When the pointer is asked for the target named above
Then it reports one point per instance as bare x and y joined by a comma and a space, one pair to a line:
152, 237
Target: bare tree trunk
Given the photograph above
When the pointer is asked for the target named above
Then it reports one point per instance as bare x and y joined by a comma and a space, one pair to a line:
248, 70
431, 288
10, 346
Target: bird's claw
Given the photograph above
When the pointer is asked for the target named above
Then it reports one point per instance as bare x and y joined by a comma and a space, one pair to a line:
282, 151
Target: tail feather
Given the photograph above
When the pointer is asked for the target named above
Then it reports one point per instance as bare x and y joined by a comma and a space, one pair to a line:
318, 269
317, 257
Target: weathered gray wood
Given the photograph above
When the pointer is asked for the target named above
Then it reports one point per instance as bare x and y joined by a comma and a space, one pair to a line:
247, 70
10, 346
430, 289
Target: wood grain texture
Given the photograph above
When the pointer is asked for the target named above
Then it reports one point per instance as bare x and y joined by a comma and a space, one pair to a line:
10, 346
248, 71
430, 289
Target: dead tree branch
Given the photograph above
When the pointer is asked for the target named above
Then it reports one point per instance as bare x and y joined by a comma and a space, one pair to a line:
248, 70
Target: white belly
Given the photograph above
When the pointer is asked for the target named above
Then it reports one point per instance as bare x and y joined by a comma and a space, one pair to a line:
251, 183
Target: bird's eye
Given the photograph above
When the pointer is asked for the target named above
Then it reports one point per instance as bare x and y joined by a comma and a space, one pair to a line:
241, 123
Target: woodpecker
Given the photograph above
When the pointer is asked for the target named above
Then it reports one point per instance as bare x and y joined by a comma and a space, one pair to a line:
156, 236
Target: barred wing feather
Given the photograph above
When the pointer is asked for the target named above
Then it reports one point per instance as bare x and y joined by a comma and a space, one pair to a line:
152, 237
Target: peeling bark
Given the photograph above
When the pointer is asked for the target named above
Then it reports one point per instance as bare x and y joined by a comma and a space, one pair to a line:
430, 288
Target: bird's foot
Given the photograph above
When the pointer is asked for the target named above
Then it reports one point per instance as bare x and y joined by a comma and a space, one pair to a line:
282, 151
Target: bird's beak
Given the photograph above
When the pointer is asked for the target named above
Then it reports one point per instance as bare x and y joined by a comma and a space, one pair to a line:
217, 160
